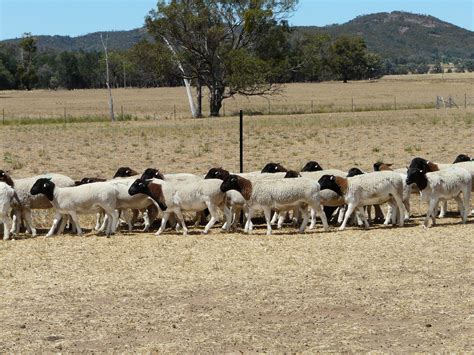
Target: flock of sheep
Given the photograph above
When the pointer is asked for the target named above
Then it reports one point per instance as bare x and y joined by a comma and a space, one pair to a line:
303, 195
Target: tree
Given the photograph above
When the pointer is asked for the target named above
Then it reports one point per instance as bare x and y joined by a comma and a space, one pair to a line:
218, 42
26, 70
107, 78
347, 58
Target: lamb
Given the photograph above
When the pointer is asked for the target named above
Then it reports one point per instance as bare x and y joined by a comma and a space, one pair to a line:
25, 202
461, 158
152, 173
87, 198
194, 197
367, 189
6, 195
447, 183
312, 166
428, 166
125, 171
407, 189
274, 168
280, 194
88, 180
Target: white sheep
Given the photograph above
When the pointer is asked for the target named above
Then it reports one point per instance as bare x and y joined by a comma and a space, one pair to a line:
6, 195
181, 197
26, 202
443, 184
367, 189
279, 194
429, 166
83, 199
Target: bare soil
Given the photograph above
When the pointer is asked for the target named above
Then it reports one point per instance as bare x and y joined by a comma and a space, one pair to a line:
385, 289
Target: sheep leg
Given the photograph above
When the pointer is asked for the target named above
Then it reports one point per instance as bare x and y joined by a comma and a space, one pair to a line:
75, 218
360, 214
164, 220
400, 209
57, 218
467, 203
62, 225
319, 211
228, 217
29, 222
127, 216
350, 209
6, 226
281, 219
461, 208
248, 224
214, 218
390, 213
180, 217
267, 211
431, 213
342, 212
406, 204
275, 217
313, 218
236, 218
378, 213
14, 215
97, 221
305, 215
444, 209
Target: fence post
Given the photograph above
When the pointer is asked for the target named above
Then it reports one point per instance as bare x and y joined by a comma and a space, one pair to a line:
312, 106
241, 139
121, 111
174, 111
65, 115
3, 115
352, 104
465, 100
395, 102
269, 107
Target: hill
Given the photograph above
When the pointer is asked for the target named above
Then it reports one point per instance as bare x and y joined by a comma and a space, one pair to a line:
404, 35
118, 40
392, 35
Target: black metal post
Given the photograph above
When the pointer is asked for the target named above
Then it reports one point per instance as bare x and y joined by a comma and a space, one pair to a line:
241, 141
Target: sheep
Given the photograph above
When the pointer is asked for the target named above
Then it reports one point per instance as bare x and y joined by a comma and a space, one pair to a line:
281, 193
274, 168
87, 198
461, 158
312, 166
407, 189
179, 197
152, 173
124, 171
428, 166
367, 189
447, 183
7, 193
88, 180
125, 202
25, 202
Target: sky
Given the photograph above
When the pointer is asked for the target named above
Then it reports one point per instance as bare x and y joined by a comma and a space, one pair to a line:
79, 17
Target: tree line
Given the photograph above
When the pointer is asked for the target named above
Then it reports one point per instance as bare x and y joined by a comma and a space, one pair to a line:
229, 47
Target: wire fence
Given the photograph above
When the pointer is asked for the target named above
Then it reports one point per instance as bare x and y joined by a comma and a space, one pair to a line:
265, 106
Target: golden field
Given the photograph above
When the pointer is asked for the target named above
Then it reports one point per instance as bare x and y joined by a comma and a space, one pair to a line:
409, 91
385, 289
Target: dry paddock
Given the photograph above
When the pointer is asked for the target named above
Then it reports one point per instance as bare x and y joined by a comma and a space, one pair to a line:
385, 289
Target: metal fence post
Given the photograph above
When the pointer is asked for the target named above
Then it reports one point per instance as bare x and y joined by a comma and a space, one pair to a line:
241, 141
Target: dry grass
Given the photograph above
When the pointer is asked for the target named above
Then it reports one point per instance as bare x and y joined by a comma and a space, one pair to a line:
386, 289
410, 91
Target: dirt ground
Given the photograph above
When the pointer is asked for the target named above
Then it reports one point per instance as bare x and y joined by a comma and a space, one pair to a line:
385, 289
